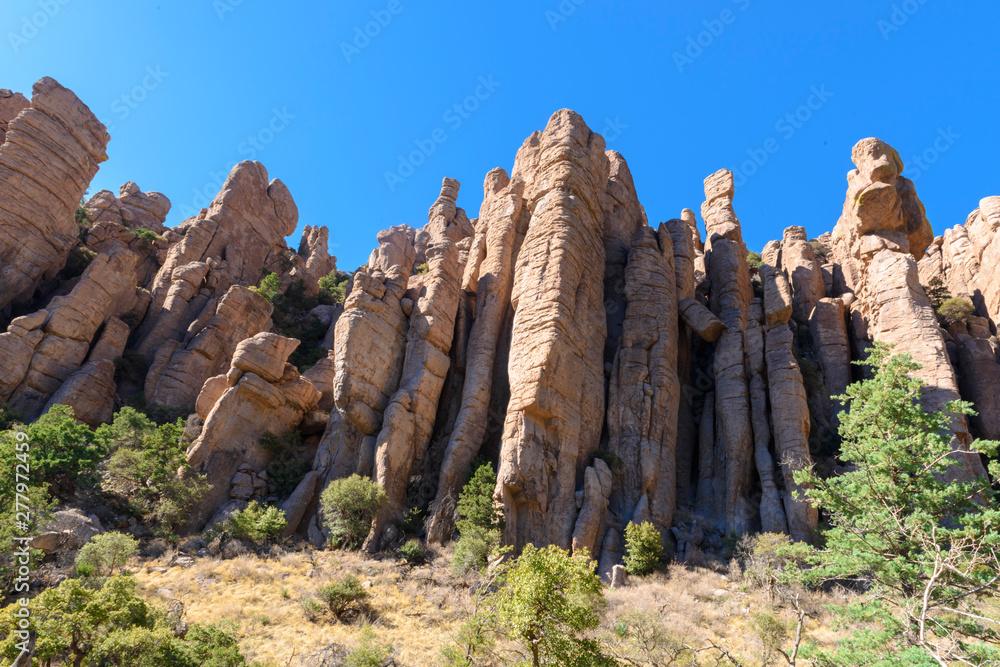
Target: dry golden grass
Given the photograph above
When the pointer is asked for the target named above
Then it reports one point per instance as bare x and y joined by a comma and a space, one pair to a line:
419, 609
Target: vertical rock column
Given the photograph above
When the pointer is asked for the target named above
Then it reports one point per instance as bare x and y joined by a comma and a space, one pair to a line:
644, 392
556, 408
492, 279
729, 297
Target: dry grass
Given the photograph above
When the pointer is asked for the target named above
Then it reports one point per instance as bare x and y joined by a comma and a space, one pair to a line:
419, 609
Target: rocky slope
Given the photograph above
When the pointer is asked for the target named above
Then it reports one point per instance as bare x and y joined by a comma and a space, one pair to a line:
614, 370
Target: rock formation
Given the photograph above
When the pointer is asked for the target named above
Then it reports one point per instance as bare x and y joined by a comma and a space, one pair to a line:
48, 157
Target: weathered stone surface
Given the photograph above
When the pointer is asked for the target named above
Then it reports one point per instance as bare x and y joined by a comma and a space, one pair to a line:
315, 249
69, 328
790, 416
701, 320
772, 513
395, 248
445, 222
979, 380
49, 155
828, 326
89, 392
504, 220
131, 208
730, 295
11, 104
798, 261
705, 498
409, 417
777, 295
644, 390
235, 423
180, 369
556, 370
112, 342
597, 486
296, 505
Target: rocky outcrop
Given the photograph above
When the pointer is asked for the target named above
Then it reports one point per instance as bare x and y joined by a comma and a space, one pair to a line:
67, 328
730, 295
247, 406
556, 372
180, 368
395, 248
315, 249
504, 222
644, 392
409, 417
445, 222
11, 104
131, 208
49, 155
798, 262
89, 392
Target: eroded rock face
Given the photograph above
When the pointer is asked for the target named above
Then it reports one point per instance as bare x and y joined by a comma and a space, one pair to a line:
644, 392
179, 369
729, 298
556, 357
315, 248
132, 208
89, 392
66, 331
11, 104
248, 406
49, 154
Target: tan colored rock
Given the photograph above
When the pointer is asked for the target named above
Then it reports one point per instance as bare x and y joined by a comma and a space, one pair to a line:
49, 155
504, 220
112, 342
556, 408
240, 416
790, 417
644, 390
445, 222
828, 326
315, 248
409, 418
89, 392
179, 370
395, 248
701, 320
70, 326
705, 499
296, 505
777, 295
11, 104
17, 346
597, 485
323, 374
979, 380
798, 261
730, 296
983, 258
131, 208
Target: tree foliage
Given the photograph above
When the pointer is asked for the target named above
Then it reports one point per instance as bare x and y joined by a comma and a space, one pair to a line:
480, 522
643, 548
269, 287
349, 507
910, 527
106, 553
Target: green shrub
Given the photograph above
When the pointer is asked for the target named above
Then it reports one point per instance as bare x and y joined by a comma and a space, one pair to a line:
312, 609
613, 460
142, 471
36, 501
764, 561
341, 596
131, 318
9, 416
820, 250
754, 261
423, 268
105, 553
369, 652
349, 507
63, 453
955, 310
643, 548
333, 289
412, 551
257, 523
480, 522
77, 261
937, 292
147, 235
269, 287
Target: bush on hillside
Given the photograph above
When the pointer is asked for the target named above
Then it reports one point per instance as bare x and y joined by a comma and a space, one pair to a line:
349, 506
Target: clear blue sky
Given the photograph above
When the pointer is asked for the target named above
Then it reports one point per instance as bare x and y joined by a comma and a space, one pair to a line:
911, 73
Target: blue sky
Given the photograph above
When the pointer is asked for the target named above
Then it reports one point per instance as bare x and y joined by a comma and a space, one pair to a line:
779, 92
